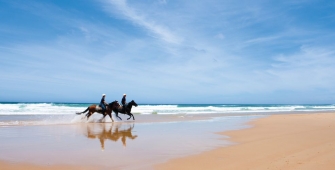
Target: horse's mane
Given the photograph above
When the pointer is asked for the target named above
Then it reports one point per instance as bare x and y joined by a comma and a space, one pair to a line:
115, 101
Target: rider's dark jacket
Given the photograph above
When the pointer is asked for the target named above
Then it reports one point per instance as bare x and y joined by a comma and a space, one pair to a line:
103, 103
123, 101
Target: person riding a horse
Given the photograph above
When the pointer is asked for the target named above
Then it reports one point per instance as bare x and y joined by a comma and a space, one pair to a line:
103, 104
124, 102
113, 106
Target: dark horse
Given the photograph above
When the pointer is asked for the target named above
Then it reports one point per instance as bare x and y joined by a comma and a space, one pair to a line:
93, 108
126, 111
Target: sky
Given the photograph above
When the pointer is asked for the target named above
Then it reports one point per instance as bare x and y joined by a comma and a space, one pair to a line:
168, 51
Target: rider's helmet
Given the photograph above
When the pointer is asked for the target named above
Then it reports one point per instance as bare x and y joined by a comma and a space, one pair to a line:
103, 95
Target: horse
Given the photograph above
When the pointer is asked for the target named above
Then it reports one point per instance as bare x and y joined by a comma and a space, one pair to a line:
93, 108
126, 111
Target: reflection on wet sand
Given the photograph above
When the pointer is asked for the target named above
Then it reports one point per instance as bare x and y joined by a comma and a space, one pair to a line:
113, 132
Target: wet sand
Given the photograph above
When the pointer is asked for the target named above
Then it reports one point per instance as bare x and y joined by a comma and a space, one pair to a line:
287, 141
6, 165
140, 144
291, 141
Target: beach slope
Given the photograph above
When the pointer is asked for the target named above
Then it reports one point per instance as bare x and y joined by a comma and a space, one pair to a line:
289, 141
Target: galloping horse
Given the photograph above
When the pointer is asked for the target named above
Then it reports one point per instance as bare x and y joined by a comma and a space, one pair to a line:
93, 108
126, 111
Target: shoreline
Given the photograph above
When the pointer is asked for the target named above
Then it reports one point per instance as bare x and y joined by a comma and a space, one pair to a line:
35, 120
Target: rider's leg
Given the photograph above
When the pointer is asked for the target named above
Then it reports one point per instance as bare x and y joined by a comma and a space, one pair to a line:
103, 109
123, 108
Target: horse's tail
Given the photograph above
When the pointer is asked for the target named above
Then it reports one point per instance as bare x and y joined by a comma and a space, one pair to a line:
78, 113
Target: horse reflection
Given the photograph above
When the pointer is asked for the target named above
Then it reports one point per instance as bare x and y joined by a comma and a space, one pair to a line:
112, 132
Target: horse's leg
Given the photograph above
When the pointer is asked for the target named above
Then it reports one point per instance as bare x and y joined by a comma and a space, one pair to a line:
103, 117
130, 115
110, 115
117, 115
89, 114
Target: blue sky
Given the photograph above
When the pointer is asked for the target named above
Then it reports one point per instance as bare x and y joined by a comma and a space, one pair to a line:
164, 51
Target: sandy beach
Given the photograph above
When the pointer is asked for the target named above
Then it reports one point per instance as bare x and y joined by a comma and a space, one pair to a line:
290, 141
285, 141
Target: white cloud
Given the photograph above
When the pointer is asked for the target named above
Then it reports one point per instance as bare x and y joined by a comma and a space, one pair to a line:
262, 39
140, 19
220, 36
162, 1
311, 68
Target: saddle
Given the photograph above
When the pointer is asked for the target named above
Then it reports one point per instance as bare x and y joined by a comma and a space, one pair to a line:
98, 108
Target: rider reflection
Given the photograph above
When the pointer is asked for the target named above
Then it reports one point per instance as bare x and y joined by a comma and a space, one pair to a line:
110, 132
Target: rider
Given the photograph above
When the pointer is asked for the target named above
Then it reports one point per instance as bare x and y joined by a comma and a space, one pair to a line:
103, 104
124, 102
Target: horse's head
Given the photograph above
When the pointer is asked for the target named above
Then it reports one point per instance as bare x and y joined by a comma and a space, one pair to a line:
133, 103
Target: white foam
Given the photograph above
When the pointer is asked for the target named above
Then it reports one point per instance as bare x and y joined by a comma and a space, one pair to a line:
37, 109
57, 109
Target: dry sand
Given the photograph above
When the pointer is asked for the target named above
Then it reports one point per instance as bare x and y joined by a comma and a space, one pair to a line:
290, 141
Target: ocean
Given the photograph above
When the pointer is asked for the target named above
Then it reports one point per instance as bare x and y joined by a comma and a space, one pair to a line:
71, 108
46, 113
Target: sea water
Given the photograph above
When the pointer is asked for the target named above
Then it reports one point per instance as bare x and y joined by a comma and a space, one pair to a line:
63, 113
71, 108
